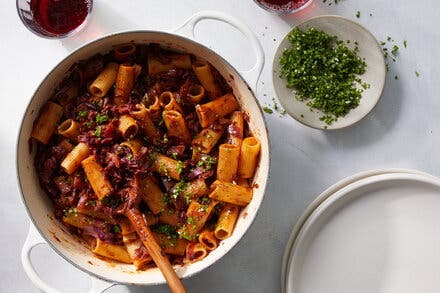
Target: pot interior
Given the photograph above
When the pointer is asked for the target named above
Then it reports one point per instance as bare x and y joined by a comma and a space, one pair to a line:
39, 206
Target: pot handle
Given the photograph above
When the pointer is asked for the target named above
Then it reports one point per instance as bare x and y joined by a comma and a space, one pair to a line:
34, 239
251, 75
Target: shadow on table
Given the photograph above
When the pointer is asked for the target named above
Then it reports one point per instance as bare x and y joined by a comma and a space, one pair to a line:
104, 20
377, 124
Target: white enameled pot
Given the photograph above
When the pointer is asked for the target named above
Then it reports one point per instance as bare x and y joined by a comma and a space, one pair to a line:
46, 229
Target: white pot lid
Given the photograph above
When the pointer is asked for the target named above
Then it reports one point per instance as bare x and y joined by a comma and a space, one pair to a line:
377, 234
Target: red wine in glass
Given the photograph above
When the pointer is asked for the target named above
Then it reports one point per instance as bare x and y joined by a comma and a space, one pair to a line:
282, 6
59, 17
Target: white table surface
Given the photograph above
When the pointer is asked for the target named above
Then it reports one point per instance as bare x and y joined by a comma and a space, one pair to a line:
402, 131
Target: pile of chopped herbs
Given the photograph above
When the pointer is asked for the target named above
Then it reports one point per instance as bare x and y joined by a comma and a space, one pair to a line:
323, 72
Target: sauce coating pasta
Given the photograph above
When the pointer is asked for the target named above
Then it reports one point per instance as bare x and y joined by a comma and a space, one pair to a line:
148, 138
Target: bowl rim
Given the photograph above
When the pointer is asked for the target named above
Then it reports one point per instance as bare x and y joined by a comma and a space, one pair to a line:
274, 66
100, 39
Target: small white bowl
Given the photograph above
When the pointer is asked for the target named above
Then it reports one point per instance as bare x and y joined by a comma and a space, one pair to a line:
374, 75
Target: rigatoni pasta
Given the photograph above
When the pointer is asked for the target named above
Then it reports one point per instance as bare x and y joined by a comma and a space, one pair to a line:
203, 71
105, 80
46, 123
151, 129
210, 112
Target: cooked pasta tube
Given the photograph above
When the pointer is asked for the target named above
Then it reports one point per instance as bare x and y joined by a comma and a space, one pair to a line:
96, 177
226, 221
154, 109
133, 144
105, 80
203, 72
123, 52
195, 252
231, 193
124, 83
196, 188
150, 218
168, 102
141, 114
137, 251
235, 129
174, 61
137, 71
196, 93
171, 245
227, 162
113, 251
207, 239
47, 122
152, 194
208, 113
176, 126
250, 148
73, 159
70, 93
166, 166
196, 153
77, 220
69, 128
169, 216
207, 139
197, 214
125, 226
242, 182
65, 144
127, 126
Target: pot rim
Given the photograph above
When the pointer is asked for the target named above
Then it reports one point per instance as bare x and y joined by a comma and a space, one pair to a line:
100, 39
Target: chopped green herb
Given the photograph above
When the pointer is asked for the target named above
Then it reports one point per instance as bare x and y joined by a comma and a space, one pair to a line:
170, 233
91, 203
404, 43
323, 72
275, 104
165, 199
111, 201
358, 14
163, 169
88, 124
70, 212
178, 189
204, 201
191, 221
187, 198
417, 74
101, 119
81, 114
179, 167
394, 50
116, 229
267, 110
98, 131
207, 161
129, 156
185, 234
396, 77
